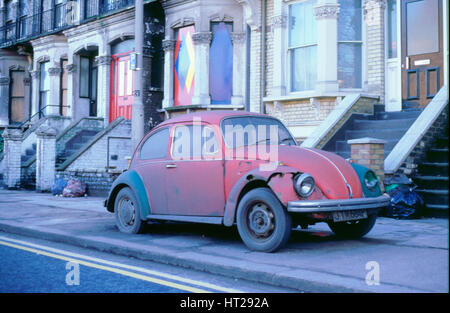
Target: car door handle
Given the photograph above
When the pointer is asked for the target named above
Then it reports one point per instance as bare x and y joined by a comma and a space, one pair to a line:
171, 166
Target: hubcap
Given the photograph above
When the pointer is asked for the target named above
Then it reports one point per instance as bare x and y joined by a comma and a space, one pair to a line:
261, 220
126, 212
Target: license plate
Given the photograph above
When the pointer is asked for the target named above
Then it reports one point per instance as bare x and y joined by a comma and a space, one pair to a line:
343, 216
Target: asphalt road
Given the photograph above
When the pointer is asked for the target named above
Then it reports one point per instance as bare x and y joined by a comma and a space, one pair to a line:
38, 266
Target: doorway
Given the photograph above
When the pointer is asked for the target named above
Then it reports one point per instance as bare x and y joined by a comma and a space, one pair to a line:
122, 82
422, 51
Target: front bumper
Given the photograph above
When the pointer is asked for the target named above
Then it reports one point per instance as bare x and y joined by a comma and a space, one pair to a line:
316, 206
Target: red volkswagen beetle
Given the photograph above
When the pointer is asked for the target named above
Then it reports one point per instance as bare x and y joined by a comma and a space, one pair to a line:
230, 167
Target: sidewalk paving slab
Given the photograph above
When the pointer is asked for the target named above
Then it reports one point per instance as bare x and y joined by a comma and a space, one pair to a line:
413, 254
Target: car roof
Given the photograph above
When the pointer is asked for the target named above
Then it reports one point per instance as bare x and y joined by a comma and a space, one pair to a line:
212, 117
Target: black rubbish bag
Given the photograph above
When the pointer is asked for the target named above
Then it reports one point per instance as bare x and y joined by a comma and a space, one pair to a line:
405, 203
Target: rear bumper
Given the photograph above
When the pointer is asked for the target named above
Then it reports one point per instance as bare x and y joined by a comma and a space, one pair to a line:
316, 206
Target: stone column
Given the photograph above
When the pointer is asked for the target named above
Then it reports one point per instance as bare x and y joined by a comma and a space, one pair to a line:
255, 70
27, 98
103, 86
71, 69
202, 41
326, 13
374, 18
12, 151
55, 91
369, 152
45, 158
239, 69
279, 29
4, 100
35, 92
169, 47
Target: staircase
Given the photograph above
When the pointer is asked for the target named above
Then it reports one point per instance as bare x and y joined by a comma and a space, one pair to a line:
432, 177
74, 144
389, 126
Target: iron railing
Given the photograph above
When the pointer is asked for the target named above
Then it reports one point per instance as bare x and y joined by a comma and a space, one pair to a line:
59, 17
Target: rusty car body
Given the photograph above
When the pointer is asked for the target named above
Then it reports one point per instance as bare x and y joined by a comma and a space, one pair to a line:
226, 182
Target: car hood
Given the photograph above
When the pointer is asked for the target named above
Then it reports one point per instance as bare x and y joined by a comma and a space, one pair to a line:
331, 172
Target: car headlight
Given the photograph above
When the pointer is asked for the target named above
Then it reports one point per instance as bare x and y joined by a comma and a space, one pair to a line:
370, 179
304, 185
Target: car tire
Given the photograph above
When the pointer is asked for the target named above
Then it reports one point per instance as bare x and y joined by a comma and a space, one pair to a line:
353, 229
127, 212
263, 223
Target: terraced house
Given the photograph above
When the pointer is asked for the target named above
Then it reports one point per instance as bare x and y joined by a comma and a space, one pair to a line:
371, 74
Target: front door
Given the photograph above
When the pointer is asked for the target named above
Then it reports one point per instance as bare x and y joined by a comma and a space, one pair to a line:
422, 51
122, 87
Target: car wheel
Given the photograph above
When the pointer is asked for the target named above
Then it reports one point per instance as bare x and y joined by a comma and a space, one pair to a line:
262, 222
127, 212
353, 229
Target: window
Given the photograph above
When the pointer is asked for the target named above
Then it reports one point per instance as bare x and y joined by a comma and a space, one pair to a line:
302, 46
184, 68
221, 63
84, 76
17, 107
248, 130
155, 147
350, 44
422, 37
44, 85
188, 145
392, 28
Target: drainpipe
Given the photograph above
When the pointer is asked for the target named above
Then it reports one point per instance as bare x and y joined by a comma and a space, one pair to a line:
263, 54
137, 110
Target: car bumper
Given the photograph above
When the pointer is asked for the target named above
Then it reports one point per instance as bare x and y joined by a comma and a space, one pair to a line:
316, 206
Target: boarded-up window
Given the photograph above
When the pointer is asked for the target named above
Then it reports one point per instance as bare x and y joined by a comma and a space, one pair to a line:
17, 108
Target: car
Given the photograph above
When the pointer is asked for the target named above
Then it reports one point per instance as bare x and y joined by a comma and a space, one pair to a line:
244, 169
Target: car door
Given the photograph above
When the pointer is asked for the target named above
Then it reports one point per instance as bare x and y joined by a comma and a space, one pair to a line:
194, 178
151, 161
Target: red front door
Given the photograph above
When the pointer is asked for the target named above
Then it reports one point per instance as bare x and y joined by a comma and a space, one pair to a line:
121, 98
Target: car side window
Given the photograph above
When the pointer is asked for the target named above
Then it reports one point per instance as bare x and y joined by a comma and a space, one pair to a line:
187, 144
155, 147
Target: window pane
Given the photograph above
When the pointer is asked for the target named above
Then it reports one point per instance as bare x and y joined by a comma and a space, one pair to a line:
121, 78
304, 68
392, 28
44, 79
302, 24
84, 77
155, 147
129, 78
350, 20
187, 146
221, 64
422, 37
349, 65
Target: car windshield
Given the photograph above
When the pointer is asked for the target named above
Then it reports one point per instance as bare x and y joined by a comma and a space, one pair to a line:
251, 130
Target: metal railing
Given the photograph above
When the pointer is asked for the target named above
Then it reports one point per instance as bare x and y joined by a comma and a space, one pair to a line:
39, 114
56, 19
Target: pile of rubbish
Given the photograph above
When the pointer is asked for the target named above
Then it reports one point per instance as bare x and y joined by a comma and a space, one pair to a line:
72, 188
405, 202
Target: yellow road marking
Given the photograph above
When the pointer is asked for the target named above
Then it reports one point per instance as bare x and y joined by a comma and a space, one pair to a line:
107, 268
130, 267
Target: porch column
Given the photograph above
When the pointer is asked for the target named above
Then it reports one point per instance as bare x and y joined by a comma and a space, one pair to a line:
55, 91
45, 158
239, 69
71, 70
169, 47
12, 151
202, 41
326, 13
279, 26
35, 75
4, 100
103, 86
374, 18
27, 98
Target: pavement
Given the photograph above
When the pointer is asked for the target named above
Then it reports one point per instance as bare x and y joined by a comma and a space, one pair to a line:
398, 256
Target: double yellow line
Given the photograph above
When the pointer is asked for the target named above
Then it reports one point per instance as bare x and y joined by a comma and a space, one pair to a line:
108, 266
